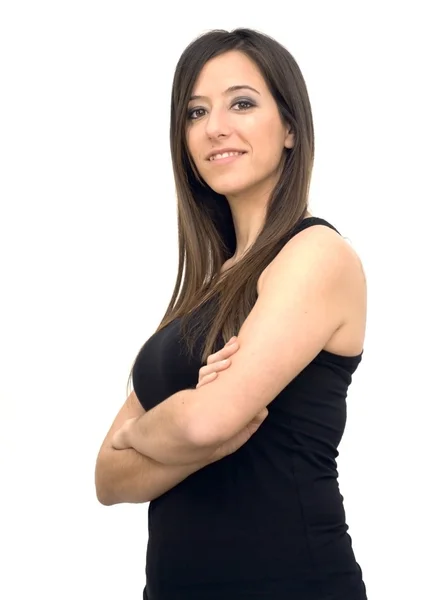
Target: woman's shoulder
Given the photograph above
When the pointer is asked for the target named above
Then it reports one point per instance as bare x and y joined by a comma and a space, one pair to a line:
329, 255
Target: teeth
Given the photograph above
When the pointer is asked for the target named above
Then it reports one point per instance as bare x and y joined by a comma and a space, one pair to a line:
224, 155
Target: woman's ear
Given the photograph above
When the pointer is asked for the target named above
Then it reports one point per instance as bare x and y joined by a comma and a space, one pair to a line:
289, 138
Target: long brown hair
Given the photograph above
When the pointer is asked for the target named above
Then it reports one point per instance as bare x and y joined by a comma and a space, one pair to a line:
206, 233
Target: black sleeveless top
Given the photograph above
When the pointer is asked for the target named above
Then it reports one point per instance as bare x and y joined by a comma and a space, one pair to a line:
268, 521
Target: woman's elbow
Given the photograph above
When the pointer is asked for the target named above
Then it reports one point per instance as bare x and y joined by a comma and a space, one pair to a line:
104, 497
103, 489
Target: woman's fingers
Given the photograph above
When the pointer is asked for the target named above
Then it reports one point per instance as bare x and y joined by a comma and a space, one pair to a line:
218, 361
206, 379
229, 348
216, 366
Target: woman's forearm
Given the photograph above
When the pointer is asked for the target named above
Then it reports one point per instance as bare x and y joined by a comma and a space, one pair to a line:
164, 433
127, 476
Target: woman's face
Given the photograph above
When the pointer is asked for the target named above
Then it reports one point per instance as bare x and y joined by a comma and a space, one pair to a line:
246, 120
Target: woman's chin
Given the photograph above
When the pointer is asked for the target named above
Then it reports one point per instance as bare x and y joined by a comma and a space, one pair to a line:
228, 189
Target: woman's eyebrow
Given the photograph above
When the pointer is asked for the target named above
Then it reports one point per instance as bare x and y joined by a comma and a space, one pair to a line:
232, 88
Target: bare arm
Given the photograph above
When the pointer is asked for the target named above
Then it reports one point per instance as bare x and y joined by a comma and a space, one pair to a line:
126, 475
164, 433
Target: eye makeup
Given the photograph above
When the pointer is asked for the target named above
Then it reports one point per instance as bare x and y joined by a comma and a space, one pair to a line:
251, 104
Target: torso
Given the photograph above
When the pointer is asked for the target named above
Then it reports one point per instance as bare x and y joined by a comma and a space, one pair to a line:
348, 340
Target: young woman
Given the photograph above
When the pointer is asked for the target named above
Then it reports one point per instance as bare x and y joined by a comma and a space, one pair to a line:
238, 458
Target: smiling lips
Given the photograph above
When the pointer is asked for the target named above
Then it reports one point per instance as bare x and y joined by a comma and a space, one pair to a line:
225, 157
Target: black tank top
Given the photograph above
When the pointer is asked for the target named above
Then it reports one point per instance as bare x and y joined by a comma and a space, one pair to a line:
268, 521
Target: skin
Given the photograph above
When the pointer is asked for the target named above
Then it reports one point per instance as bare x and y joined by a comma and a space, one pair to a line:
220, 361
243, 119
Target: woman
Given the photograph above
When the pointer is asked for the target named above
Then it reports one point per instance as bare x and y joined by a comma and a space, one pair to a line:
240, 466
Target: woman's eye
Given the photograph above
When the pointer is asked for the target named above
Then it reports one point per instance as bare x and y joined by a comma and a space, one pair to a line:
245, 104
193, 113
196, 113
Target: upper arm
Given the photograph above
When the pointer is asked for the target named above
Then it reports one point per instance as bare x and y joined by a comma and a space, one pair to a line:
298, 310
130, 409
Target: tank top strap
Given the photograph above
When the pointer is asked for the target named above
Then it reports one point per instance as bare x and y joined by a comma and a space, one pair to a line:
309, 222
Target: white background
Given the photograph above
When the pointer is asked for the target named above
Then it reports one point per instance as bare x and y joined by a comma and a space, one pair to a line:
88, 249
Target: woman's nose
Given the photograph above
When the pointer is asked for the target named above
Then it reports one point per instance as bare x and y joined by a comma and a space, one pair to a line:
217, 124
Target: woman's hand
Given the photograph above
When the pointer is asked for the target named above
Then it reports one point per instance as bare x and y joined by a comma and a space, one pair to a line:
219, 361
120, 437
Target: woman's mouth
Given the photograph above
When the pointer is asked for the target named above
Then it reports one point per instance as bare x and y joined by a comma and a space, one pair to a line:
225, 157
